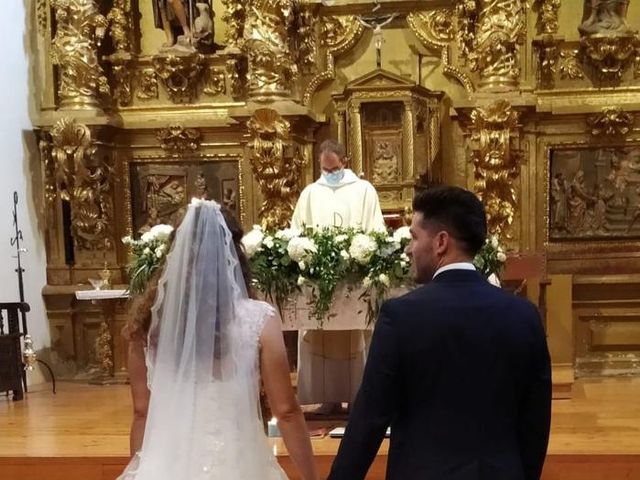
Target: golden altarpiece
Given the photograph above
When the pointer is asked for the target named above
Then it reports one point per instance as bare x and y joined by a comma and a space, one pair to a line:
139, 105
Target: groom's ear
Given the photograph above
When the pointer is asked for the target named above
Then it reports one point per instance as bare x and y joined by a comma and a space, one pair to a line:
345, 161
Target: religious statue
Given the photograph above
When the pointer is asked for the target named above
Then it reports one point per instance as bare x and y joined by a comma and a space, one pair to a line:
203, 30
636, 213
174, 16
376, 25
606, 17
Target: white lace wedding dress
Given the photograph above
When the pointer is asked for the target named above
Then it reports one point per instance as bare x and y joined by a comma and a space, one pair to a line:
227, 447
204, 420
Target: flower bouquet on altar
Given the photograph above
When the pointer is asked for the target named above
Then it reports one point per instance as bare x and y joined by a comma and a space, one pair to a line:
289, 262
146, 256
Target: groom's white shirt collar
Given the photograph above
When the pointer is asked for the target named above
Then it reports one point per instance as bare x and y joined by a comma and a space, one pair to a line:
455, 266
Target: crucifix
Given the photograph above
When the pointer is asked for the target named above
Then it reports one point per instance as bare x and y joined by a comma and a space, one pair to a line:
376, 24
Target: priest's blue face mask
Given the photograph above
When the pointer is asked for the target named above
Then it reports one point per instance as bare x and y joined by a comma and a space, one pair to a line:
333, 178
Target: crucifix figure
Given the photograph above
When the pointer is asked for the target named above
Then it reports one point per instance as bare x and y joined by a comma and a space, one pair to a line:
376, 24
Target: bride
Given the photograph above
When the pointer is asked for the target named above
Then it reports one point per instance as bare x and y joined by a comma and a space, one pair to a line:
207, 345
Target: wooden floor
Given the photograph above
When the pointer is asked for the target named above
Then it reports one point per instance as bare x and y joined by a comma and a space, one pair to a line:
82, 433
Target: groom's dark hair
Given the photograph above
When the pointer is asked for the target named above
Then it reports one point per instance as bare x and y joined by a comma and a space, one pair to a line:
456, 210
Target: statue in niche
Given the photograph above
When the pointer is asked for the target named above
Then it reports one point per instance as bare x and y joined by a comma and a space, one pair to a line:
606, 17
186, 24
173, 16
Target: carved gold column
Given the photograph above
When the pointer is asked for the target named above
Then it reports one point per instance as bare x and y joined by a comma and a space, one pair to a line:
79, 29
490, 34
234, 17
341, 125
277, 166
355, 132
408, 138
120, 19
496, 160
272, 69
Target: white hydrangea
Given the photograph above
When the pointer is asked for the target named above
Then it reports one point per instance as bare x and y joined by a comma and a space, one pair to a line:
341, 238
252, 241
300, 248
268, 242
160, 233
384, 279
403, 233
362, 248
287, 234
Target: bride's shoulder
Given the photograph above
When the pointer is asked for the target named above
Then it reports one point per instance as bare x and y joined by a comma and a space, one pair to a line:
258, 306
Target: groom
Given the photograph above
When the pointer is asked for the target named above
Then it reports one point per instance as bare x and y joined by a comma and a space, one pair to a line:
458, 368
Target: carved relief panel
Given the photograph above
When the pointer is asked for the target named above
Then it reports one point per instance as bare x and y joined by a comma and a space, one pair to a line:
161, 190
594, 193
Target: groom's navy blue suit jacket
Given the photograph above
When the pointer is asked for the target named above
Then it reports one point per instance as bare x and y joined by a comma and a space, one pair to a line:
460, 371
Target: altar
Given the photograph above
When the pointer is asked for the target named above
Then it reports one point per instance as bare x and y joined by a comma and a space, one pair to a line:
348, 312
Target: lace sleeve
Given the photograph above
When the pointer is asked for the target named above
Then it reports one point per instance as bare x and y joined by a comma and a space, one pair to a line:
258, 313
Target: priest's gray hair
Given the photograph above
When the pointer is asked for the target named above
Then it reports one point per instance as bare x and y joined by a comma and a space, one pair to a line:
331, 146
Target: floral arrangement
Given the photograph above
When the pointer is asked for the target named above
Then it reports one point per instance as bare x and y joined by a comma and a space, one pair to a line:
286, 261
147, 255
490, 260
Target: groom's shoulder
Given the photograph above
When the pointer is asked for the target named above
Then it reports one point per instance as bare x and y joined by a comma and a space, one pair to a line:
410, 300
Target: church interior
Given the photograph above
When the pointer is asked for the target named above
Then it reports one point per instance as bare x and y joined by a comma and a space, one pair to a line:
118, 112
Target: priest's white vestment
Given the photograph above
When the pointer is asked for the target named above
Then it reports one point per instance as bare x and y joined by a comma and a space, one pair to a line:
331, 363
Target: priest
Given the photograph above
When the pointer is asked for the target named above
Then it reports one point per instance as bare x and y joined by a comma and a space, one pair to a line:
331, 363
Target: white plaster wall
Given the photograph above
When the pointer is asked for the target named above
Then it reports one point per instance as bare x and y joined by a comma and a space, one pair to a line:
16, 170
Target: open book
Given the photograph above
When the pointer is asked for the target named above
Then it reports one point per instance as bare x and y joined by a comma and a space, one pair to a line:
339, 432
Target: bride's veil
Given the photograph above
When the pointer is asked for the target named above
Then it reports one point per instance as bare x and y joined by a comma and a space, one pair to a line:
202, 372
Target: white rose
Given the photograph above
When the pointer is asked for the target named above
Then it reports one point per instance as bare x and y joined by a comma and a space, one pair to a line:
366, 282
501, 257
362, 248
256, 227
301, 280
402, 233
404, 257
300, 248
494, 241
302, 265
268, 242
160, 251
341, 238
147, 237
384, 279
344, 254
127, 240
146, 251
288, 233
252, 242
161, 232
403, 264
